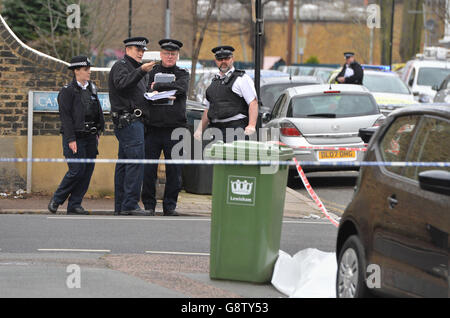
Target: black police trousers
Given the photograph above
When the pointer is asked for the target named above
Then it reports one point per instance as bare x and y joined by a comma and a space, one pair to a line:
157, 140
76, 181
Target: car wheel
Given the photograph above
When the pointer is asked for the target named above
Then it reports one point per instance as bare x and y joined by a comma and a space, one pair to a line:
350, 280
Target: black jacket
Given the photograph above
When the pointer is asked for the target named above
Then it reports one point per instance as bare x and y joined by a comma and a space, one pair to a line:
169, 115
127, 85
357, 77
72, 111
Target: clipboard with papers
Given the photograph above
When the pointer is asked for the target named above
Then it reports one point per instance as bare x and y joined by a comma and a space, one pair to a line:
159, 95
162, 98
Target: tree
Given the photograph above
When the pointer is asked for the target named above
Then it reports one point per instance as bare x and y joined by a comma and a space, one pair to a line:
42, 25
385, 32
199, 29
412, 27
249, 26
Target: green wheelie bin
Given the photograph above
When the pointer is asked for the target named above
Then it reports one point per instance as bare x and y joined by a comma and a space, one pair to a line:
247, 210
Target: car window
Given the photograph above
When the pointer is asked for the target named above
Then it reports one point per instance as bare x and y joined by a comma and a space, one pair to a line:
277, 106
385, 84
430, 145
430, 76
271, 92
341, 105
411, 77
406, 70
395, 143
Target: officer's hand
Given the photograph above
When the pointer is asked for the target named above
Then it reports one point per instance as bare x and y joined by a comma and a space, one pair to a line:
341, 79
73, 146
198, 134
147, 67
250, 130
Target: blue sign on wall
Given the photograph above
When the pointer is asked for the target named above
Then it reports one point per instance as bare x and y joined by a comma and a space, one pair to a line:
48, 101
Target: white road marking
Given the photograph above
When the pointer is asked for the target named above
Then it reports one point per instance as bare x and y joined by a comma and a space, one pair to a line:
125, 218
206, 219
177, 253
72, 250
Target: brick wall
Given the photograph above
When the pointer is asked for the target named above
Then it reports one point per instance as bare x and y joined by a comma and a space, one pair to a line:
22, 69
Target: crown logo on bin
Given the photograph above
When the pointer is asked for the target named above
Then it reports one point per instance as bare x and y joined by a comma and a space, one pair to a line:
241, 187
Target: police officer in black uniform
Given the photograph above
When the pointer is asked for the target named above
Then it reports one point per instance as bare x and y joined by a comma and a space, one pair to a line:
128, 82
81, 123
352, 72
231, 100
163, 118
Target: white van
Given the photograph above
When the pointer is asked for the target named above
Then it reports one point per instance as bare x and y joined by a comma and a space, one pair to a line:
423, 73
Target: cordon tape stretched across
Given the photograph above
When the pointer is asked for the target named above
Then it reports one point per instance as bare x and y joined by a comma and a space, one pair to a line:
295, 162
232, 162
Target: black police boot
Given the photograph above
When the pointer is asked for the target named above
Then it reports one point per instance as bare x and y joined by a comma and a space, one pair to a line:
150, 210
170, 213
53, 206
136, 212
78, 211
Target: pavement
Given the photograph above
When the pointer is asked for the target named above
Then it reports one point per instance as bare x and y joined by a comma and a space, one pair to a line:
296, 205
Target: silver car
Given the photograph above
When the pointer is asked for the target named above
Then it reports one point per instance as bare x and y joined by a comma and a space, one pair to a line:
317, 119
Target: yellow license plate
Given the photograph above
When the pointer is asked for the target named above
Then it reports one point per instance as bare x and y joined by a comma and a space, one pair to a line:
337, 154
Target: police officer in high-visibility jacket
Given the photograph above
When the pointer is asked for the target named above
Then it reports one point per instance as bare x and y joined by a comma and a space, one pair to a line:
81, 124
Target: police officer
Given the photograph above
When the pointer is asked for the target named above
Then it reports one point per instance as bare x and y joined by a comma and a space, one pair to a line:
231, 99
352, 72
163, 118
81, 123
128, 81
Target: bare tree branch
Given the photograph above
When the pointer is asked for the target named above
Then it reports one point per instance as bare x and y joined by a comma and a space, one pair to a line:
198, 36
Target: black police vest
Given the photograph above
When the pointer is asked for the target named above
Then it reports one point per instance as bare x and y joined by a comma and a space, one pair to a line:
91, 107
224, 103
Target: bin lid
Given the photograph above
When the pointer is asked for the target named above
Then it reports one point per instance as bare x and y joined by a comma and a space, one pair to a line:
249, 150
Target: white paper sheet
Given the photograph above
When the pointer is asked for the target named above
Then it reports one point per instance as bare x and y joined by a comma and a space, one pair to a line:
159, 95
308, 274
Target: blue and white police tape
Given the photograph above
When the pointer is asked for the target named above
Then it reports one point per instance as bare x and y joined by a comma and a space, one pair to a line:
230, 162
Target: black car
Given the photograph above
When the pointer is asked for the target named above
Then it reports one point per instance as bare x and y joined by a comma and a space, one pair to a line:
393, 237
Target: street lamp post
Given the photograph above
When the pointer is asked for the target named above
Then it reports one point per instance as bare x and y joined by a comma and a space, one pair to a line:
392, 34
258, 39
130, 14
258, 20
167, 19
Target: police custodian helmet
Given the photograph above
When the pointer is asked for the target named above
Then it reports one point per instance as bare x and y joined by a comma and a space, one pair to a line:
138, 41
79, 61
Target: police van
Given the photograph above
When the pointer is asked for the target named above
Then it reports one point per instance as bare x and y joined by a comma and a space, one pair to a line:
427, 70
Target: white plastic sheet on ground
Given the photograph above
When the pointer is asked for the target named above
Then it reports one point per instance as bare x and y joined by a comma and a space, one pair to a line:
308, 274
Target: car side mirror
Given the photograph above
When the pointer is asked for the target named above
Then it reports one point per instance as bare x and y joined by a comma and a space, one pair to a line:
424, 98
266, 117
437, 181
366, 133
416, 93
435, 87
